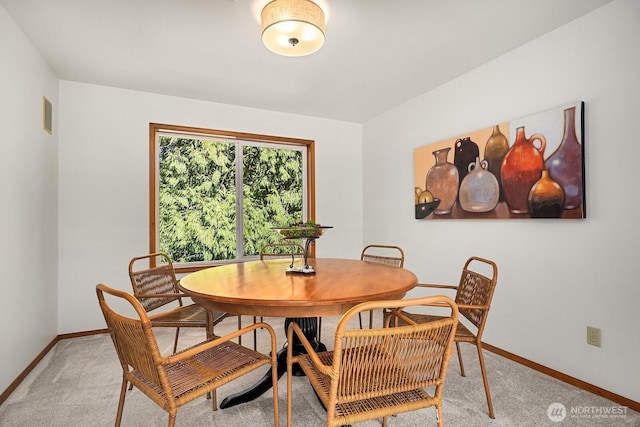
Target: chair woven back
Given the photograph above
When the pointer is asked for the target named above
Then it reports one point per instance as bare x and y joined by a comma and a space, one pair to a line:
370, 363
396, 360
133, 338
281, 251
383, 254
477, 289
160, 279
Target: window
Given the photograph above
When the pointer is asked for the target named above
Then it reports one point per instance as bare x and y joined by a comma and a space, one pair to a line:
215, 195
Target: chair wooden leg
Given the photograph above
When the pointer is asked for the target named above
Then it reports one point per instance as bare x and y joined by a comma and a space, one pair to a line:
484, 379
255, 334
213, 395
289, 391
210, 333
175, 343
210, 326
239, 327
123, 393
274, 388
172, 419
460, 359
439, 415
384, 421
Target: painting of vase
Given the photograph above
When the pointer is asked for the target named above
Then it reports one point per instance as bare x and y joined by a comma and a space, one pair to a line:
511, 161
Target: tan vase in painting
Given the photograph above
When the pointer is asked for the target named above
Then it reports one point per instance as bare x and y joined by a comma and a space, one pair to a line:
494, 151
442, 182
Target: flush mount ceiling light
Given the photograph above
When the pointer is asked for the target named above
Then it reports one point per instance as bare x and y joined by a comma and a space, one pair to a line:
292, 27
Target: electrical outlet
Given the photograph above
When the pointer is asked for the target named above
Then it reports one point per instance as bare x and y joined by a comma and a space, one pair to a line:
593, 336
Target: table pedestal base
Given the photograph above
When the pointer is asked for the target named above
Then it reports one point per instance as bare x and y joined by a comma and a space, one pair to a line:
309, 327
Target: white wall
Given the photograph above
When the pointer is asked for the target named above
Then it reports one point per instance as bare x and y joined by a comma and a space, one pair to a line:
28, 203
104, 182
555, 276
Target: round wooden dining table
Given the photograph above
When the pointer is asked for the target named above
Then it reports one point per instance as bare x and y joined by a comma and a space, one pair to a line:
264, 288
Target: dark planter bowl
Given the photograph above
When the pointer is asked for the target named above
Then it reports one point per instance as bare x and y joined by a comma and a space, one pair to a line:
423, 210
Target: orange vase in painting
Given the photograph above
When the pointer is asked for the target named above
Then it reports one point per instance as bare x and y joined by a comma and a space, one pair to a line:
546, 198
521, 169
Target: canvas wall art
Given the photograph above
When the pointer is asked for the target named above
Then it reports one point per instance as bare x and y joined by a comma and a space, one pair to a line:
532, 167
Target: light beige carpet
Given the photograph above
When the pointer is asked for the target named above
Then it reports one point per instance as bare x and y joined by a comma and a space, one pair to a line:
78, 383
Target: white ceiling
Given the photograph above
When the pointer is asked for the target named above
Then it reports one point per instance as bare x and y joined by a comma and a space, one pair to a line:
378, 54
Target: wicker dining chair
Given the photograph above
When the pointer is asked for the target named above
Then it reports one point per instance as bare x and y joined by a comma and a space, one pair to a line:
157, 287
182, 377
473, 296
281, 251
291, 251
374, 373
381, 254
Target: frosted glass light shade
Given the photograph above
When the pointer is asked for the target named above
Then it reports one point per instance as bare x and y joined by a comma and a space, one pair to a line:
292, 27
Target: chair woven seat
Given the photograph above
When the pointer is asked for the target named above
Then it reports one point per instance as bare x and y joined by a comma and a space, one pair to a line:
191, 315
205, 368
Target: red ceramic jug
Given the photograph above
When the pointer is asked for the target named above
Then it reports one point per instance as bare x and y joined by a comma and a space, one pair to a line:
521, 169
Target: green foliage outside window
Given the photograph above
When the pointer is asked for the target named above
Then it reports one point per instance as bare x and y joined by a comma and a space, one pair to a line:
272, 190
197, 197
